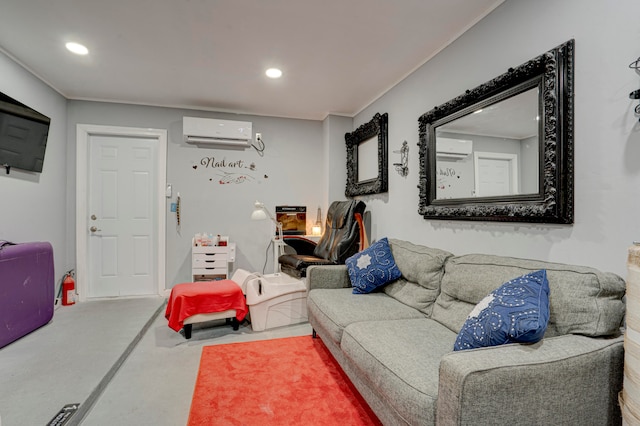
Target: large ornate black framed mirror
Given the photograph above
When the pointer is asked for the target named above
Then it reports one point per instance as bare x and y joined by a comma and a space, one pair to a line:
367, 157
504, 150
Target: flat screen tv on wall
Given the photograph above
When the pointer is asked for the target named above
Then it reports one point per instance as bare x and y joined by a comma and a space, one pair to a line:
23, 136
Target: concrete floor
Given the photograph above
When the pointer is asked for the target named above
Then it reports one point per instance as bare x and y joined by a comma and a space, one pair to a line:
67, 360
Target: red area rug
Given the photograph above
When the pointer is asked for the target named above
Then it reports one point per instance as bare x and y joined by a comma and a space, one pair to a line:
291, 381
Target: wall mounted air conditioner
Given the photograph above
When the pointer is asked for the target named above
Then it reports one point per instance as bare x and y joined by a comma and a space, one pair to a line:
453, 149
213, 132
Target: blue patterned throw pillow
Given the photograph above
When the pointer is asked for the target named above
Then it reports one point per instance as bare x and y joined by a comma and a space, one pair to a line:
372, 267
517, 311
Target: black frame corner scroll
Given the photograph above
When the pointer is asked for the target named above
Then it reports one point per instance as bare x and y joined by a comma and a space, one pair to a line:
552, 72
378, 126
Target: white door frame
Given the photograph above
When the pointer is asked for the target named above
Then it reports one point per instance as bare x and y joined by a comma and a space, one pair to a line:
83, 133
513, 162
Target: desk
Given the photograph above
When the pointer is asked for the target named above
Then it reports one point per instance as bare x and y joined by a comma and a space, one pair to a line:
279, 248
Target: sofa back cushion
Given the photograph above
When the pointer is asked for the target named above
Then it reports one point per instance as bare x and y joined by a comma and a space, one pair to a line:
582, 300
422, 268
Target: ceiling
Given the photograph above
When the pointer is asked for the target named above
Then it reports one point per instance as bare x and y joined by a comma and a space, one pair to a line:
337, 56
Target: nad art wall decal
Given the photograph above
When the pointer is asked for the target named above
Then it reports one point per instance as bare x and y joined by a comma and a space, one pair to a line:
447, 179
229, 171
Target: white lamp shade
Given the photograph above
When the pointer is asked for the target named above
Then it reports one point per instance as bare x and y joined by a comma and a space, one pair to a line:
258, 214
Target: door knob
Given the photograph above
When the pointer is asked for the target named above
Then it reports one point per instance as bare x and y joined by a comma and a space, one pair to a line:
94, 229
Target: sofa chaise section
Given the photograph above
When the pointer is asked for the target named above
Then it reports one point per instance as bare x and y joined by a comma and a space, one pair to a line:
396, 344
562, 380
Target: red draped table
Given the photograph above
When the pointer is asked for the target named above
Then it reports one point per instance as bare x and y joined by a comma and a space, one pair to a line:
204, 297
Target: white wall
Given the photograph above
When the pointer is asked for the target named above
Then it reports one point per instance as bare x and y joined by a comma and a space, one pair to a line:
334, 129
33, 205
306, 160
607, 133
291, 171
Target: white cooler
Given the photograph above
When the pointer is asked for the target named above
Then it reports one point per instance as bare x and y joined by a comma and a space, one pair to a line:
276, 300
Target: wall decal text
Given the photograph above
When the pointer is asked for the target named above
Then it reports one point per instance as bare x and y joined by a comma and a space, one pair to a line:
211, 162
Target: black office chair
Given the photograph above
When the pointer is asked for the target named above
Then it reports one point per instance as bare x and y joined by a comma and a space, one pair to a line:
344, 236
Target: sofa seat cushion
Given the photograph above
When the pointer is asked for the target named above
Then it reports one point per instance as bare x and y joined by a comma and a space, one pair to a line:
400, 360
422, 268
335, 309
582, 300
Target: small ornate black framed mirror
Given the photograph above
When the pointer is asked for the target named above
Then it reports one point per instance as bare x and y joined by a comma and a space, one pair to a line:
367, 157
503, 151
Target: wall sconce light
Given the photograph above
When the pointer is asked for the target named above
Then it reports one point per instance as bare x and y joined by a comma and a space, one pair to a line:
403, 166
635, 65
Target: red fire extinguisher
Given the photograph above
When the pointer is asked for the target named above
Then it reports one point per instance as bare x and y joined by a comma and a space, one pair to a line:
68, 291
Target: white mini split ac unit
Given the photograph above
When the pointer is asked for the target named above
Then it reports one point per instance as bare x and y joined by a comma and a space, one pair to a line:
209, 131
453, 149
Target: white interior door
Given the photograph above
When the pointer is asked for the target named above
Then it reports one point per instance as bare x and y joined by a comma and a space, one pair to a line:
495, 174
122, 172
124, 178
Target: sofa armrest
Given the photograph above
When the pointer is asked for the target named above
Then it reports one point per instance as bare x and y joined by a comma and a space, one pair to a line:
568, 380
327, 276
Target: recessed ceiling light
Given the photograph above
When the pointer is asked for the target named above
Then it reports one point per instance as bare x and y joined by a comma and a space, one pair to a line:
77, 48
273, 73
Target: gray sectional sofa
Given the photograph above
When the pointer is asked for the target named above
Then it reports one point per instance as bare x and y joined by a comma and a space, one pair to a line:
396, 344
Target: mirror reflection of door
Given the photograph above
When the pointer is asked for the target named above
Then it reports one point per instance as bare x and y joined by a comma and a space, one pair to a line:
495, 174
368, 159
505, 128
